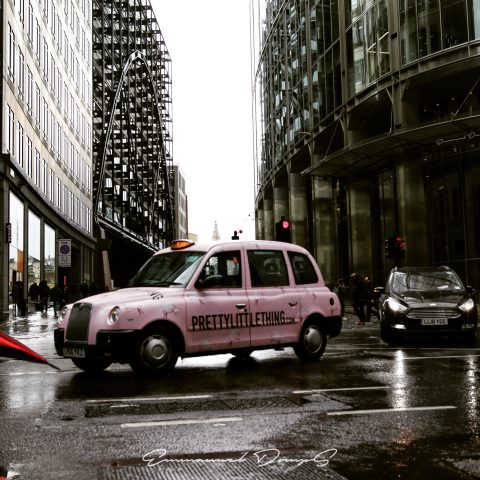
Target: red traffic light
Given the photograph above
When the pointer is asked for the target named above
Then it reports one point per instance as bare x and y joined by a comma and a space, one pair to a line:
285, 224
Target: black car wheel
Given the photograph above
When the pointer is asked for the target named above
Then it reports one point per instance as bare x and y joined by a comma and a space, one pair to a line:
155, 352
312, 343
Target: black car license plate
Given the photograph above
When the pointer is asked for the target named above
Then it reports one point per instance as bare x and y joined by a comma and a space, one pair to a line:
434, 321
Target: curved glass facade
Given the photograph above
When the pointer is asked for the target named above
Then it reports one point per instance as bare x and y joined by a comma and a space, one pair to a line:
367, 119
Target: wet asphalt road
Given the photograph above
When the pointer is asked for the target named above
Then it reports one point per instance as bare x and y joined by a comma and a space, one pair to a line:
364, 411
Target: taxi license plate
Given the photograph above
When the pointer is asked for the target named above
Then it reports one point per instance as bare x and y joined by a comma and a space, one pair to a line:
434, 321
74, 352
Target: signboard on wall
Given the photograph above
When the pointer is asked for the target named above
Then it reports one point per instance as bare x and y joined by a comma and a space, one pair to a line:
65, 252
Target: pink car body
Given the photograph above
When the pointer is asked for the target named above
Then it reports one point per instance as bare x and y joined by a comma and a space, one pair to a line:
198, 299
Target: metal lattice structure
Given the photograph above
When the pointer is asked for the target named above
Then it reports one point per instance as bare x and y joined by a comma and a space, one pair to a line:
132, 123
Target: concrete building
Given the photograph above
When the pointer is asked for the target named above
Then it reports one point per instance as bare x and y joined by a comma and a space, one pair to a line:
368, 127
180, 203
46, 129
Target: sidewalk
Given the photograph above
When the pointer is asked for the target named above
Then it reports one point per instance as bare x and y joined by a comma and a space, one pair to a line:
350, 321
33, 321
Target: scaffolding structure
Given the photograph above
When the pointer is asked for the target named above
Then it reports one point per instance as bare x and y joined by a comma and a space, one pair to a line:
132, 124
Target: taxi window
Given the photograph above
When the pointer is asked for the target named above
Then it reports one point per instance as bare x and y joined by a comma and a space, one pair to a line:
303, 270
267, 268
226, 267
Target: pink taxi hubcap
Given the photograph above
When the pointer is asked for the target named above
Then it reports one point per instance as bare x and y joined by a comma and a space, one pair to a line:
155, 351
312, 339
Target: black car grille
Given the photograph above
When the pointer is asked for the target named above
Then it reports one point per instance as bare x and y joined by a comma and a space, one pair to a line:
419, 313
78, 323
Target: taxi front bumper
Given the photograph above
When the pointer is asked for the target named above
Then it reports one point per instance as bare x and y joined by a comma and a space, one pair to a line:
114, 345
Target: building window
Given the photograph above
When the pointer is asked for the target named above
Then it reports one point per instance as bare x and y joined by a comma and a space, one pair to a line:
16, 248
11, 54
49, 255
33, 270
11, 131
20, 144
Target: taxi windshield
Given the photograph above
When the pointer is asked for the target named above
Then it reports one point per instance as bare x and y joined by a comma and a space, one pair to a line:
167, 269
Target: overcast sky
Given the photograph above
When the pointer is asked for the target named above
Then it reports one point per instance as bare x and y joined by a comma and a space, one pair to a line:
209, 43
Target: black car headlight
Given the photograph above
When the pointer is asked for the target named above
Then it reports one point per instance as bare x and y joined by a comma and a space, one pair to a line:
395, 306
467, 306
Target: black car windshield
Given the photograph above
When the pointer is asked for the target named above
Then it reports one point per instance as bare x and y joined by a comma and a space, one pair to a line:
425, 281
167, 269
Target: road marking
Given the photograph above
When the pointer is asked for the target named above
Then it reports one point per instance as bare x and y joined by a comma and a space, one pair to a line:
181, 422
19, 374
390, 410
322, 390
151, 399
440, 356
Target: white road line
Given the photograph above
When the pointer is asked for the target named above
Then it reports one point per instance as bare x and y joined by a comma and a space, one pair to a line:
390, 410
440, 356
19, 374
142, 399
322, 390
181, 422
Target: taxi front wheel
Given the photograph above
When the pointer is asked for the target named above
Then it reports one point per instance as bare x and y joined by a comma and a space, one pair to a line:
155, 352
312, 342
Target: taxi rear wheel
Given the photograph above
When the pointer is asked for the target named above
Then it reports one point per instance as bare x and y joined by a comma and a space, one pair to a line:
91, 366
155, 352
312, 343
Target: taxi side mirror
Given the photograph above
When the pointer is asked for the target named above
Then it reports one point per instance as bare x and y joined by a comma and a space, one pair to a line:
210, 282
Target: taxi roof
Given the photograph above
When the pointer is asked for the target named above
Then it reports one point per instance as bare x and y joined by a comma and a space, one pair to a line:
255, 244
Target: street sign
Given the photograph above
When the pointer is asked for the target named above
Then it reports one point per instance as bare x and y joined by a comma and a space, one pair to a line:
65, 252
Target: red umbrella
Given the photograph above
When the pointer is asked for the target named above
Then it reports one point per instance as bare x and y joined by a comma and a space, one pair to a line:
9, 347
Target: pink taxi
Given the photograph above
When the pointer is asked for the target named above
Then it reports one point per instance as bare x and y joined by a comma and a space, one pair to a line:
201, 299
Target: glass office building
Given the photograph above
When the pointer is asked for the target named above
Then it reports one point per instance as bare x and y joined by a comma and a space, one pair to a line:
132, 137
368, 127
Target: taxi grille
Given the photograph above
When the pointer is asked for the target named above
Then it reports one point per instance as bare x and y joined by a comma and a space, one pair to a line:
78, 323
420, 313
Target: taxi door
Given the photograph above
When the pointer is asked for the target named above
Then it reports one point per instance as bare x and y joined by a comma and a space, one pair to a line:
274, 304
217, 306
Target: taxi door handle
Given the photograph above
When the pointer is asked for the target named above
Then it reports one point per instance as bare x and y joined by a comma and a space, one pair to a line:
292, 303
241, 305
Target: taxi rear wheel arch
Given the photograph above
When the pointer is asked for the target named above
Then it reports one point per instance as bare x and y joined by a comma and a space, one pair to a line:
312, 342
156, 350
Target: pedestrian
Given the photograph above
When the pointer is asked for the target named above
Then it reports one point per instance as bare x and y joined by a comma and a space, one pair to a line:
44, 292
56, 296
17, 296
372, 307
339, 290
84, 289
33, 292
359, 297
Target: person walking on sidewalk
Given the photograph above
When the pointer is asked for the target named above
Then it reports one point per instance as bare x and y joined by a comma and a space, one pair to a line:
44, 291
339, 290
56, 295
372, 308
359, 297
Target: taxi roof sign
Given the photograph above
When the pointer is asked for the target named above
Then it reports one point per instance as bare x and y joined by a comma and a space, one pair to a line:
179, 244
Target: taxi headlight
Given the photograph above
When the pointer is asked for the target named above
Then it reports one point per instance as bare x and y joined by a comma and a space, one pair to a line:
113, 316
395, 306
467, 306
62, 314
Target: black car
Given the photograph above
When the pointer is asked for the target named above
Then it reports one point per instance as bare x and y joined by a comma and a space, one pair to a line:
426, 301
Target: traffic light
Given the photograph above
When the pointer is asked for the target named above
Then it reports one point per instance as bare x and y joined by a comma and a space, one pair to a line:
389, 248
283, 230
399, 248
395, 247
